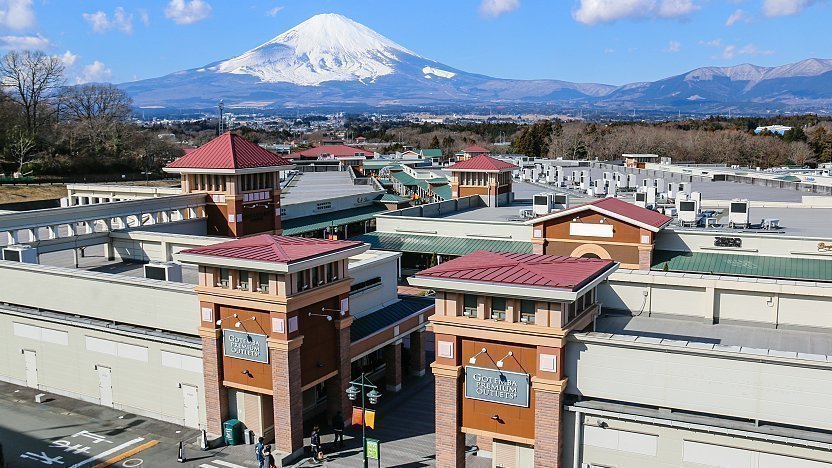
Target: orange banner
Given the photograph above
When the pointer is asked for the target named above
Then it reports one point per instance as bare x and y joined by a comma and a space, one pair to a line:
356, 416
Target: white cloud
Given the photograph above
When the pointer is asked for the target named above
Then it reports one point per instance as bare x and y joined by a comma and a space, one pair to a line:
94, 72
731, 51
495, 8
187, 12
37, 42
17, 14
785, 7
102, 23
274, 11
609, 51
144, 17
738, 15
68, 58
673, 47
593, 12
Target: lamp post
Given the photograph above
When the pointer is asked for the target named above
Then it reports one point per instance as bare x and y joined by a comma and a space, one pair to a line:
360, 386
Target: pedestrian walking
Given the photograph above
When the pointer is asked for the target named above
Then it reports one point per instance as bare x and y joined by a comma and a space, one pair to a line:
338, 429
258, 452
268, 459
315, 442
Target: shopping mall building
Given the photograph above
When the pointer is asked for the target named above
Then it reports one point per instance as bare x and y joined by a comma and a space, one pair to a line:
596, 334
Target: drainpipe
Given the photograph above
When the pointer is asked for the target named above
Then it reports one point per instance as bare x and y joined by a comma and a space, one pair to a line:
579, 430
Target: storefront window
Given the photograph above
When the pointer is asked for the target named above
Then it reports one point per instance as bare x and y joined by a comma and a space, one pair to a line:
244, 280
264, 282
498, 308
225, 277
527, 311
469, 306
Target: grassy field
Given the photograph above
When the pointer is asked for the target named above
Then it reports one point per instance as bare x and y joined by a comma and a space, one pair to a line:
25, 193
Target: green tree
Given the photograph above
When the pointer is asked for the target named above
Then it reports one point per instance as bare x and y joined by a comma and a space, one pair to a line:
535, 139
794, 134
434, 143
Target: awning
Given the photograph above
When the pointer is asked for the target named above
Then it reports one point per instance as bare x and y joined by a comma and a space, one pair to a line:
428, 244
382, 318
743, 265
295, 226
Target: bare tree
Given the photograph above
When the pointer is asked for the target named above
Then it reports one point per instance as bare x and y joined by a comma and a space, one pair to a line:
29, 79
19, 145
100, 110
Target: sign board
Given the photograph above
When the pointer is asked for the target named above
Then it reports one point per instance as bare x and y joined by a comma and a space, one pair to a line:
242, 345
507, 388
590, 230
373, 452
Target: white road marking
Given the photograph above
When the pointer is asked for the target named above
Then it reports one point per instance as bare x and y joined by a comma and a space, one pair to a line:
206, 466
108, 452
229, 465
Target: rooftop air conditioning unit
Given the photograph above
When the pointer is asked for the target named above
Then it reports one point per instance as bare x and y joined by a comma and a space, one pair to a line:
632, 181
651, 197
738, 213
20, 253
770, 223
542, 204
164, 271
641, 199
688, 210
561, 201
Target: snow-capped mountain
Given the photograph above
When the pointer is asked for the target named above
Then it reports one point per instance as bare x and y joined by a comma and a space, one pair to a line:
330, 60
323, 48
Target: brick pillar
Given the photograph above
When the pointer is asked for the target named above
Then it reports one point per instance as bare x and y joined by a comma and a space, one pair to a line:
548, 424
288, 397
450, 441
417, 353
393, 366
539, 246
336, 387
645, 257
216, 396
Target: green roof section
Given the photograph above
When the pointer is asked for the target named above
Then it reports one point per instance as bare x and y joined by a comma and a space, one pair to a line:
443, 191
428, 244
806, 269
374, 322
390, 197
431, 152
437, 185
404, 178
293, 227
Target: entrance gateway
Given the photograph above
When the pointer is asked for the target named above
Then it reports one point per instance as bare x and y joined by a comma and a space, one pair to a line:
499, 344
275, 329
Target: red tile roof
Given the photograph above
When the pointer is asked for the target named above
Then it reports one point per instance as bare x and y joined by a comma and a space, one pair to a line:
338, 151
228, 151
482, 163
270, 248
476, 149
618, 208
521, 269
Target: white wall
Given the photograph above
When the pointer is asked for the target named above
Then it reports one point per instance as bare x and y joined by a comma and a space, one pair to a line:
711, 298
368, 265
146, 374
137, 301
787, 391
454, 227
752, 244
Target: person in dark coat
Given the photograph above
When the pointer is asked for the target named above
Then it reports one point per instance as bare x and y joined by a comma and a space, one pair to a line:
338, 429
258, 452
315, 441
268, 459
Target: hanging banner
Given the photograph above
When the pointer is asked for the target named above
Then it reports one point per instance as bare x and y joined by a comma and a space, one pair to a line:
373, 452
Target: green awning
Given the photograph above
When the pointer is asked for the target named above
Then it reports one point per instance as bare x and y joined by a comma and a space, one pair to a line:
380, 319
428, 244
293, 227
743, 265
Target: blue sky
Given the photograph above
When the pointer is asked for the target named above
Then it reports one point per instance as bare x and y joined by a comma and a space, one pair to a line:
608, 41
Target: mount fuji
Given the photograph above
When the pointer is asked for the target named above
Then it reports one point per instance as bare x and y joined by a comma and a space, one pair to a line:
330, 61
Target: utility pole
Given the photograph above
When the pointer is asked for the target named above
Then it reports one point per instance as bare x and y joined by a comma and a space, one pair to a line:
219, 128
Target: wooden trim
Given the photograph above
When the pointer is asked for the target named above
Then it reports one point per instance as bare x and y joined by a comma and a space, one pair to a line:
497, 435
316, 382
248, 388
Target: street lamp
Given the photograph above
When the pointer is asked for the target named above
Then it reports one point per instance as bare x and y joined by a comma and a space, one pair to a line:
360, 386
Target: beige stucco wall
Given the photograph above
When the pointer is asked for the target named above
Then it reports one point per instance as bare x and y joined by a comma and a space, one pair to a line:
137, 301
147, 388
670, 444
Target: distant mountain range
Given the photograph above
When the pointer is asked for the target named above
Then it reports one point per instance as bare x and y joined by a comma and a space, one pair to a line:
330, 61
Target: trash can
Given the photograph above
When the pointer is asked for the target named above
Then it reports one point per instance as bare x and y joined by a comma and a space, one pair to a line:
232, 432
